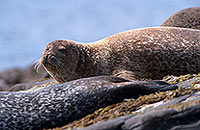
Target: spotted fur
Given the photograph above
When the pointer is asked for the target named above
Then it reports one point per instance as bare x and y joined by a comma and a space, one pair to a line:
142, 53
56, 105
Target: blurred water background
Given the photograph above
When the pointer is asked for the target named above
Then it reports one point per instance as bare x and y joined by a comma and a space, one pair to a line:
26, 26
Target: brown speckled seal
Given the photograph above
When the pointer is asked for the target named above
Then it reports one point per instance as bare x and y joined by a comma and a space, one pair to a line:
186, 18
141, 53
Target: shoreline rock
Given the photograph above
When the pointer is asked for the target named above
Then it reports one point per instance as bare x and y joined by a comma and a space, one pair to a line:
15, 76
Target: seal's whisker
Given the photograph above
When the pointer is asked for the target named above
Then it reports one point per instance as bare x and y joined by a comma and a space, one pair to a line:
37, 66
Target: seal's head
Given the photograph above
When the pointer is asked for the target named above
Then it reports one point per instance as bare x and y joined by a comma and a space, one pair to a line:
60, 59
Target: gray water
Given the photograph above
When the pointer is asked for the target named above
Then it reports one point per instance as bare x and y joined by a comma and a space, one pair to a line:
26, 26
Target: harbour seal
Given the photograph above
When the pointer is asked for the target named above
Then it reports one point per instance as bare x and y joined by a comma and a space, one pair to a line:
142, 53
57, 105
186, 18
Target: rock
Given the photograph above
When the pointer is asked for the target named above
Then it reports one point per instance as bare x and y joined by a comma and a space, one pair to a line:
11, 76
186, 18
31, 85
184, 115
3, 85
30, 74
15, 75
108, 125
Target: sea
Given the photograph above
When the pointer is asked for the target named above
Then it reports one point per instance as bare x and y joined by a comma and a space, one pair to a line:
27, 26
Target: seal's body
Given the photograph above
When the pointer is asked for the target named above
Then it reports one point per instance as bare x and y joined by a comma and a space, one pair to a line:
57, 105
141, 53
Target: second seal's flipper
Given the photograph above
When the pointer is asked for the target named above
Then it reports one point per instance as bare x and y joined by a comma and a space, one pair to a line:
137, 88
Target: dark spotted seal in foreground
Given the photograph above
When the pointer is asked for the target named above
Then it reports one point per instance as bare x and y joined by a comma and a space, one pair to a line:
56, 105
141, 53
186, 18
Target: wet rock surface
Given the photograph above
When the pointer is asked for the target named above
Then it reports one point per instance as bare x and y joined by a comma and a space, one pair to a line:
176, 114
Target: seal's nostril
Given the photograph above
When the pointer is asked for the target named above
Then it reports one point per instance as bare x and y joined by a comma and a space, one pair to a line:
48, 56
46, 59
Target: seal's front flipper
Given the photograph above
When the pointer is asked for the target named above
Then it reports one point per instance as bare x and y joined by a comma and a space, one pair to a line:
135, 89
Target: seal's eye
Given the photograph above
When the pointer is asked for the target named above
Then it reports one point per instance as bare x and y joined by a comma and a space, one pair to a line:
62, 50
47, 49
